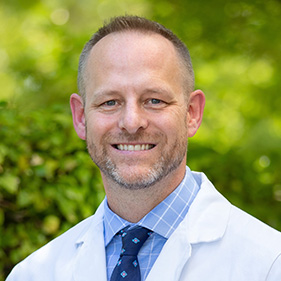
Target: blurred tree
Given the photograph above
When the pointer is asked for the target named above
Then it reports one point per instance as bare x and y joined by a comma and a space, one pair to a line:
47, 180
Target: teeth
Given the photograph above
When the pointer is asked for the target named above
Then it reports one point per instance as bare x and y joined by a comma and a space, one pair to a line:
137, 147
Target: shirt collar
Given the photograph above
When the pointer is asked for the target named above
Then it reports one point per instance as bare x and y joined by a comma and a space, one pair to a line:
164, 218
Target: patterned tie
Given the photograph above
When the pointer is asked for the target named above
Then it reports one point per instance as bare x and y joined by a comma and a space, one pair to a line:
127, 267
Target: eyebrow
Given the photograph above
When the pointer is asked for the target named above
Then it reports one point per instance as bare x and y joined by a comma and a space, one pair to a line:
103, 94
97, 95
156, 90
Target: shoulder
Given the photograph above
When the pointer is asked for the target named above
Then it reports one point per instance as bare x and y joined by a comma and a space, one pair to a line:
237, 222
235, 234
253, 232
58, 252
242, 244
256, 245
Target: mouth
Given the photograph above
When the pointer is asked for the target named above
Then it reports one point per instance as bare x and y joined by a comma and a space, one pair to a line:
134, 147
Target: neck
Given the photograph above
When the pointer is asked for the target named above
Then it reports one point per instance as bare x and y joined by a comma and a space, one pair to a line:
133, 205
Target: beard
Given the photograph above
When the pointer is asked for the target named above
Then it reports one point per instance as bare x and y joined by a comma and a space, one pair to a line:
168, 160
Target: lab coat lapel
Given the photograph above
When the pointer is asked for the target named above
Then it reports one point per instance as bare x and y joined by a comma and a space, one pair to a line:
172, 258
91, 260
208, 216
206, 221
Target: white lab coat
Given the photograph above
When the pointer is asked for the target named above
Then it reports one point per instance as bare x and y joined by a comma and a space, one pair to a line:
215, 242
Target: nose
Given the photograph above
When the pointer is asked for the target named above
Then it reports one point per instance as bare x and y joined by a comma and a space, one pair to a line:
133, 118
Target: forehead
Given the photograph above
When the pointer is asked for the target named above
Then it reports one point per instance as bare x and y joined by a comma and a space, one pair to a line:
131, 47
133, 60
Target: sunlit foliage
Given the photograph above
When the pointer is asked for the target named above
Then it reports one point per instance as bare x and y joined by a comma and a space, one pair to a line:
48, 182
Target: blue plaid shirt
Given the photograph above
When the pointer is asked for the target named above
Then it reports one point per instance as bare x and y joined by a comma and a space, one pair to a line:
162, 220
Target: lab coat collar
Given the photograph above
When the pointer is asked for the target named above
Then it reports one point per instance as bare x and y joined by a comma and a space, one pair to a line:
206, 221
208, 216
90, 258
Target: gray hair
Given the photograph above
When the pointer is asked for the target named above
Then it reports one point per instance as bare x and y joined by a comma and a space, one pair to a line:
140, 24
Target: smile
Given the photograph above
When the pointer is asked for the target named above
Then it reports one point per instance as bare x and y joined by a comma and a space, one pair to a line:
132, 147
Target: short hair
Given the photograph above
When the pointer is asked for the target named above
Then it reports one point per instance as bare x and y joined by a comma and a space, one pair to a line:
143, 25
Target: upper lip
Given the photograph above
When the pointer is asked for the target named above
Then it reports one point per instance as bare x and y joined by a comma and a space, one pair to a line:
133, 143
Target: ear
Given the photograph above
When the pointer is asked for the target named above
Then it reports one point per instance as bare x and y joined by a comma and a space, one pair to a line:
196, 105
78, 115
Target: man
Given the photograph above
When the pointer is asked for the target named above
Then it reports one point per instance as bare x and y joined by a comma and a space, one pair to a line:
136, 111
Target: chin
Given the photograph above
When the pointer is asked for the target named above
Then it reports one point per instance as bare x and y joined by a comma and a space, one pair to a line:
136, 179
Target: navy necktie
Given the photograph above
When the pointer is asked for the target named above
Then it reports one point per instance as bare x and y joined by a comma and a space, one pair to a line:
127, 267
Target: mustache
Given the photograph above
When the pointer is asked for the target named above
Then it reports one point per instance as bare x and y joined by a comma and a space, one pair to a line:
137, 137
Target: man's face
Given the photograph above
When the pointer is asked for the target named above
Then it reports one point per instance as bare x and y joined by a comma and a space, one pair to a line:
135, 109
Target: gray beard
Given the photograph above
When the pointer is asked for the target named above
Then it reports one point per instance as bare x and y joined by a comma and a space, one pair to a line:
159, 171
167, 163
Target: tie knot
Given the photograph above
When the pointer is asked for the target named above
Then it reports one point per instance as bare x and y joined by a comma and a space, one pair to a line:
133, 239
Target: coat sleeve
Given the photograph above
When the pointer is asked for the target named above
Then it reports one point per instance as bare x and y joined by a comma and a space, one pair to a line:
274, 273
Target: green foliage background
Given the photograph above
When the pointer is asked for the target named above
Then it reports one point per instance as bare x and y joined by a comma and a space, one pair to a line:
48, 182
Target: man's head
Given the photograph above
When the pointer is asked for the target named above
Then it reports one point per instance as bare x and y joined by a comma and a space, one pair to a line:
136, 116
145, 26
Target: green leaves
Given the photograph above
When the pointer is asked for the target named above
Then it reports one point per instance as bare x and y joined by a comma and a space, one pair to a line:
48, 182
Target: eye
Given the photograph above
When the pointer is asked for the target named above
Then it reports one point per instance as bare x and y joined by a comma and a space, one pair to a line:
109, 103
155, 101
155, 104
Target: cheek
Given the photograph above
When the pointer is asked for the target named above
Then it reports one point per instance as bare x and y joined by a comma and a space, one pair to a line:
174, 122
98, 128
175, 130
